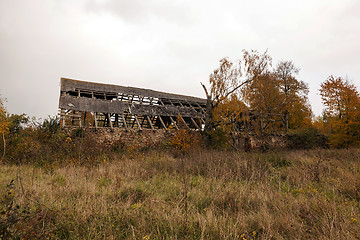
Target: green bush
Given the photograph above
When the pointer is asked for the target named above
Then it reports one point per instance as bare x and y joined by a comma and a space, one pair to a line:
307, 138
51, 124
219, 139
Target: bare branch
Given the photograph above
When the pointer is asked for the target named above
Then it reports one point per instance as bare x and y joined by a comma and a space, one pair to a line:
206, 92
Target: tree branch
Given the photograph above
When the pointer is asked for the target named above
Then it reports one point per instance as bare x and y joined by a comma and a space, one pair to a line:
206, 92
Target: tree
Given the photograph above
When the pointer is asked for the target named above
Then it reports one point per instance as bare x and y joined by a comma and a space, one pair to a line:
295, 92
227, 80
263, 95
278, 92
342, 111
4, 124
273, 97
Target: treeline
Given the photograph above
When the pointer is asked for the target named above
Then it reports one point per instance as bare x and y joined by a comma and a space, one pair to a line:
255, 96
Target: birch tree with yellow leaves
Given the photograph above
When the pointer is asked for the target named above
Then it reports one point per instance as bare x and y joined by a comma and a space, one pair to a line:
4, 124
225, 86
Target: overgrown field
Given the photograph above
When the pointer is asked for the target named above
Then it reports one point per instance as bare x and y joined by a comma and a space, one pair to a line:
313, 194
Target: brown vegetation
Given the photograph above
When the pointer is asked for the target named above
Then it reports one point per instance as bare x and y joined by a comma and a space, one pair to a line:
285, 195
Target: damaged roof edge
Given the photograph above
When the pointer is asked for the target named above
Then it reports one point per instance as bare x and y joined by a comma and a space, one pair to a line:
68, 84
96, 105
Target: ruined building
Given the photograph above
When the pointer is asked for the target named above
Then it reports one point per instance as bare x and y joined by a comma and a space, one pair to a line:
117, 108
96, 105
88, 104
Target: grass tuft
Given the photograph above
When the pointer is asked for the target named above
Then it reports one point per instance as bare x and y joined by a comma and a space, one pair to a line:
311, 194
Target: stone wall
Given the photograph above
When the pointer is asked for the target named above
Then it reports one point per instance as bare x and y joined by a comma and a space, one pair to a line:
134, 138
148, 138
265, 142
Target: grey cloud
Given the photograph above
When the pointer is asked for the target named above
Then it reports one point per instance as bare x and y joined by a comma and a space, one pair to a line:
140, 12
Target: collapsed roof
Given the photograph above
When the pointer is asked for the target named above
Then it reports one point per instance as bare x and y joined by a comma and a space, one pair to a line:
88, 104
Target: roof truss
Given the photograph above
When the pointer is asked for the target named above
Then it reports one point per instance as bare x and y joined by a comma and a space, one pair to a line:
87, 104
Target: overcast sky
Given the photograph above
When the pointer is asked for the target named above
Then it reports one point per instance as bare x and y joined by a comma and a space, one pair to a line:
166, 45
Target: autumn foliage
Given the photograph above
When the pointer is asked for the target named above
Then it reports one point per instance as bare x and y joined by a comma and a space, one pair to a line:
252, 97
244, 94
341, 118
277, 91
184, 141
4, 125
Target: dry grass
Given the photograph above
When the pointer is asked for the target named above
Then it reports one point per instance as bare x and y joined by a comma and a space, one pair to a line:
207, 195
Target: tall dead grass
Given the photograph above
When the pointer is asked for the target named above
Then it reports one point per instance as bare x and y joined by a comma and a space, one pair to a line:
227, 195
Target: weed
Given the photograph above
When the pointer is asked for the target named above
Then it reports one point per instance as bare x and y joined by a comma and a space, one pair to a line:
104, 182
278, 161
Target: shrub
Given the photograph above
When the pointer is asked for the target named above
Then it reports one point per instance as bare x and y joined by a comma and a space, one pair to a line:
51, 124
307, 138
17, 122
19, 221
184, 141
219, 139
